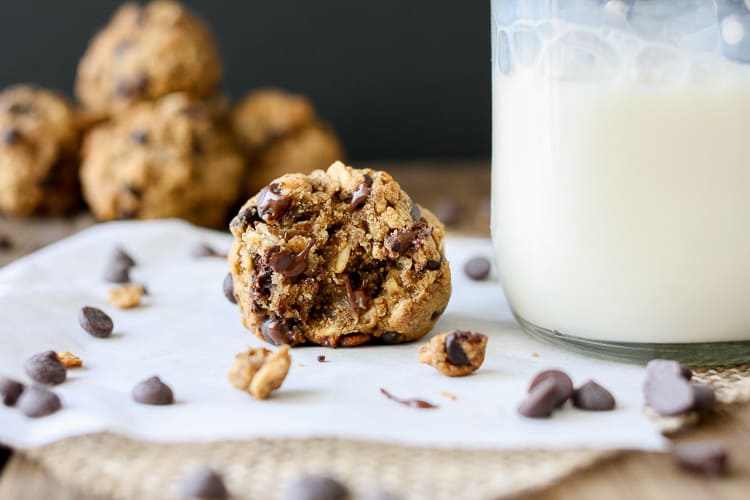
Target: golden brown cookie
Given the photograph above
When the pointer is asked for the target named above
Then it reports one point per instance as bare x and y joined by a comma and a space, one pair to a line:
38, 152
173, 157
338, 258
280, 133
455, 354
146, 52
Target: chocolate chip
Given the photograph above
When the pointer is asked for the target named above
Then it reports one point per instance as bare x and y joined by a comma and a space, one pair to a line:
705, 398
454, 350
412, 403
399, 240
6, 242
593, 397
228, 286
133, 190
21, 108
477, 268
562, 382
316, 488
117, 273
357, 296
321, 359
11, 136
204, 250
669, 395
275, 330
541, 401
272, 205
196, 146
139, 137
434, 265
415, 211
46, 368
288, 264
706, 457
10, 390
391, 338
133, 87
446, 210
204, 483
95, 321
153, 391
36, 402
120, 256
666, 367
247, 216
360, 195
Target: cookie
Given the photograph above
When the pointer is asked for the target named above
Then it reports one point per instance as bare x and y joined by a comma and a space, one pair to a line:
173, 157
39, 143
146, 52
280, 133
338, 258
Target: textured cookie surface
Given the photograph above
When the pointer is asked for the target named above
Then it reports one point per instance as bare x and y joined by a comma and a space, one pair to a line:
338, 258
38, 152
169, 158
146, 52
280, 133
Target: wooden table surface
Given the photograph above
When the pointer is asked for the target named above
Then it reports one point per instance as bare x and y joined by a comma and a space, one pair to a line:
632, 475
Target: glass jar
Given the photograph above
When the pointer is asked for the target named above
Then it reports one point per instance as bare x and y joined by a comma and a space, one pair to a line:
621, 174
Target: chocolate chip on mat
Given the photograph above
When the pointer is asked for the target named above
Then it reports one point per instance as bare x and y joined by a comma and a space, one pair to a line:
36, 402
228, 286
667, 367
541, 401
706, 457
593, 397
95, 321
669, 395
46, 368
204, 483
477, 268
562, 381
705, 398
10, 390
316, 488
153, 391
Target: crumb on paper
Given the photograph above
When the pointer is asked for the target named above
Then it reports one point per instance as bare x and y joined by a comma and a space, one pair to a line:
126, 296
321, 359
449, 395
69, 359
300, 363
260, 371
534, 354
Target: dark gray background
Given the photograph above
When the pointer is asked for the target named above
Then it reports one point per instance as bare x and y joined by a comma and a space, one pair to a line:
398, 79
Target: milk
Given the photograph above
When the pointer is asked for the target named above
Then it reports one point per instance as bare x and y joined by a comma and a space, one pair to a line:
621, 208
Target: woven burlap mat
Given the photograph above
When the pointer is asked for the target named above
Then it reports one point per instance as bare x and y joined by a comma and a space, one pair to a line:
118, 467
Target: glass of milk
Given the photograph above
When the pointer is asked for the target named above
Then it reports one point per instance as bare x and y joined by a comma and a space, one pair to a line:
621, 174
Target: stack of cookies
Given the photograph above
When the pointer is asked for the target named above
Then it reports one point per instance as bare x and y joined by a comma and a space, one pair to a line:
153, 136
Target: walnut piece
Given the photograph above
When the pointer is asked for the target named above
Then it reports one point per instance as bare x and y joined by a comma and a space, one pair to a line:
260, 371
126, 296
69, 359
456, 353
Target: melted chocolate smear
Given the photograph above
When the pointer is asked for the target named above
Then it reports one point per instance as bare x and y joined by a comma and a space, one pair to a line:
416, 212
288, 264
358, 299
248, 216
361, 194
275, 331
272, 205
412, 403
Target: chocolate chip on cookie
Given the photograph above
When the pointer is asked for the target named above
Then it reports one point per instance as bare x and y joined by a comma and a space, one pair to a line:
46, 368
153, 391
272, 204
95, 321
456, 353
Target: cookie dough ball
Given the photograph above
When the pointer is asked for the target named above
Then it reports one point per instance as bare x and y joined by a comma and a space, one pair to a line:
280, 133
173, 157
38, 152
338, 258
146, 52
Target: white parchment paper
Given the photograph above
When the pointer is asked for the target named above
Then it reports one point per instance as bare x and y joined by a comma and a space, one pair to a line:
188, 333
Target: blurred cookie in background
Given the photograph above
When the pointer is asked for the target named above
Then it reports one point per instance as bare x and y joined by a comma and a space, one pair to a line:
39, 143
173, 157
280, 133
146, 52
